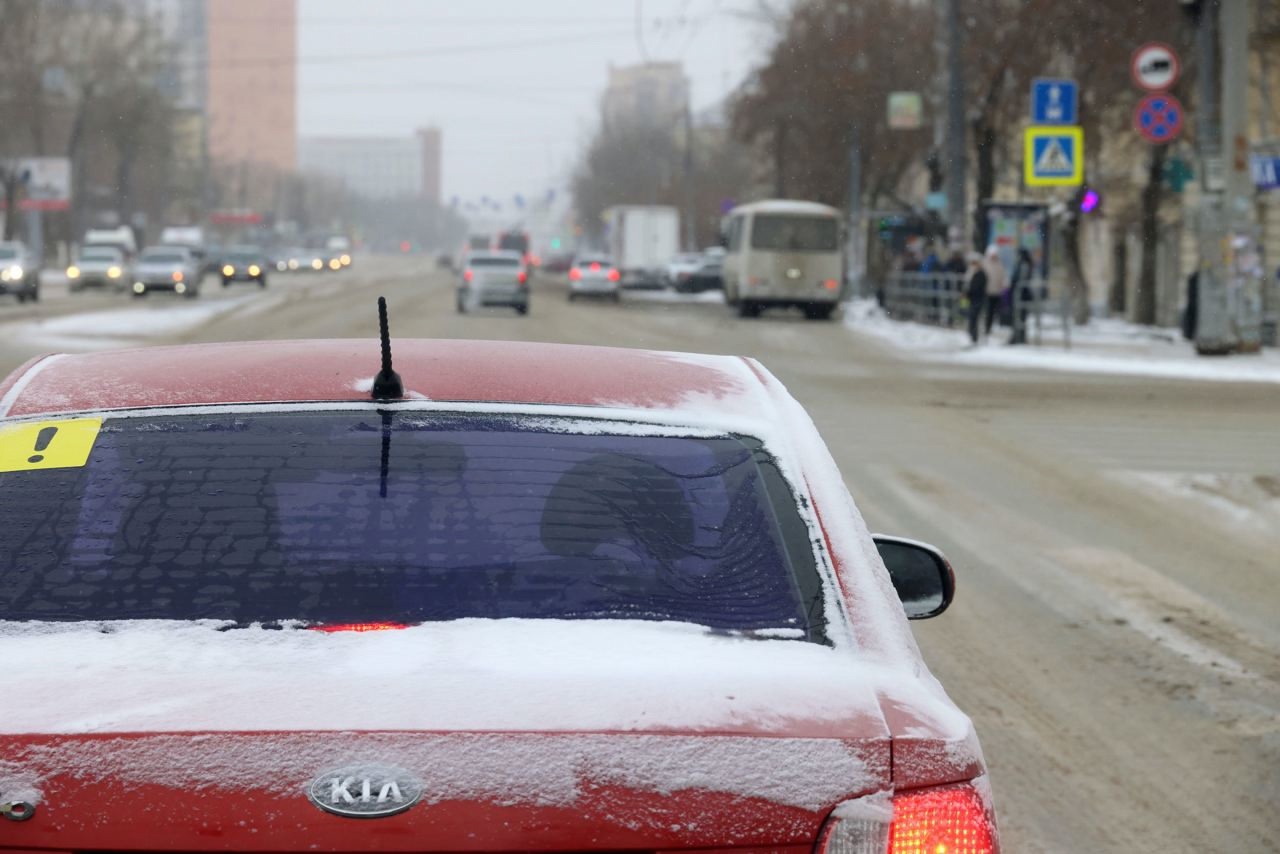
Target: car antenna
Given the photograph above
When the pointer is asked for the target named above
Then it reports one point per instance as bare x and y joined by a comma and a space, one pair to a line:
387, 384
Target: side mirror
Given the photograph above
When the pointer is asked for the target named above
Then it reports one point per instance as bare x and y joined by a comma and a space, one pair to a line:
920, 573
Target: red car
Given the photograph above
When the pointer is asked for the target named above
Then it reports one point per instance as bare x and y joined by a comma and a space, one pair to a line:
534, 597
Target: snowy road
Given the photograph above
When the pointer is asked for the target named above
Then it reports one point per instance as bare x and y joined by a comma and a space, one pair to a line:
1116, 633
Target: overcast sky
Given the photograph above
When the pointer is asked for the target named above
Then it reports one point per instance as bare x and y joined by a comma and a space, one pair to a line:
514, 84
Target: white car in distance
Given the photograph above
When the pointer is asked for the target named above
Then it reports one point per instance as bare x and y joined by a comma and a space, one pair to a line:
594, 275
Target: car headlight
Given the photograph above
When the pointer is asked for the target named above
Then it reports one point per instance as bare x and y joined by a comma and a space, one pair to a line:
293, 263
254, 269
317, 264
139, 288
114, 272
345, 259
73, 272
335, 264
228, 270
180, 288
15, 273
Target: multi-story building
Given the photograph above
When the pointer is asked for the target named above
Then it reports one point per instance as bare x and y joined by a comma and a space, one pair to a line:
649, 93
252, 82
378, 167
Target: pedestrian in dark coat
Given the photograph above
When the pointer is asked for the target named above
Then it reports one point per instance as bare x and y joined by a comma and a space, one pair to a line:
977, 289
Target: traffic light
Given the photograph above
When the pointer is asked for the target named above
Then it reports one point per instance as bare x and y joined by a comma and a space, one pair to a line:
555, 243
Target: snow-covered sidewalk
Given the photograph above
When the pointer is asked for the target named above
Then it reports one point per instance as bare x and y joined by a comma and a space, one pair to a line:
1103, 346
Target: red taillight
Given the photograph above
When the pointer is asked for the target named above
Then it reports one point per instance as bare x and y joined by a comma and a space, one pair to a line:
614, 275
951, 819
831, 284
468, 275
522, 277
575, 274
360, 627
595, 267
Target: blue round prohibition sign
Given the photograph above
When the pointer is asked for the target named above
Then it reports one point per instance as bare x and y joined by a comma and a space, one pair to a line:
1158, 117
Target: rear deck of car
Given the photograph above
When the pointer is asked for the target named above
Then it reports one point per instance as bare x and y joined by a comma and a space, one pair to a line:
341, 370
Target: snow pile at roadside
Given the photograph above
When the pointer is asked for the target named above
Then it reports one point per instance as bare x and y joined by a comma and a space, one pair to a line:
670, 295
100, 330
1247, 501
1106, 346
865, 316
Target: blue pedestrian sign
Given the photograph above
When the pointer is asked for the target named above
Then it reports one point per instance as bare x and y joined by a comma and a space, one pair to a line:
1053, 156
1053, 101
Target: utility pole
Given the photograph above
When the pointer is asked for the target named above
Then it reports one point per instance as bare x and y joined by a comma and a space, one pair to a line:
1229, 303
690, 204
855, 263
955, 160
1213, 328
1245, 275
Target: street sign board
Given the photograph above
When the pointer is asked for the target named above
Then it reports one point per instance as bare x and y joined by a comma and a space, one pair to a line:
1053, 156
46, 182
1266, 171
1158, 117
906, 110
1155, 67
1053, 101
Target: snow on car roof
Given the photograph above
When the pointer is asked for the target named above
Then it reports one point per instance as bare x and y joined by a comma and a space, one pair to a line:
341, 370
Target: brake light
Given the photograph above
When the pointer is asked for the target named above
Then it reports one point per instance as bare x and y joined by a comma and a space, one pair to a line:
944, 820
575, 274
522, 277
595, 267
951, 819
359, 627
614, 275
831, 284
469, 275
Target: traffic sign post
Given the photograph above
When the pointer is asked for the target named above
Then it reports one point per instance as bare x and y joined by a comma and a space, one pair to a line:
1053, 156
1155, 67
1158, 117
1053, 101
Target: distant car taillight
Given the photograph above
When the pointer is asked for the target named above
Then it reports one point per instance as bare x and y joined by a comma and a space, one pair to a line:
595, 267
522, 277
831, 284
575, 274
950, 819
614, 275
469, 275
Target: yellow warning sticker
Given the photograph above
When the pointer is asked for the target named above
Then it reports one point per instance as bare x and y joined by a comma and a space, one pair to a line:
48, 444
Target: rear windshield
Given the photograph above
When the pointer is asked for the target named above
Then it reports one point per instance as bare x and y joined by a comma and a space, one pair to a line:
354, 517
8, 252
795, 233
244, 257
599, 262
515, 242
99, 255
493, 262
163, 257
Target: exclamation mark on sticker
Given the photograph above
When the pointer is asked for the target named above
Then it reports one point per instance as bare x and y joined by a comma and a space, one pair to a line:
43, 439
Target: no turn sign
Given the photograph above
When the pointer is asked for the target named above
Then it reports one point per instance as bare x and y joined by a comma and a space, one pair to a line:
1155, 67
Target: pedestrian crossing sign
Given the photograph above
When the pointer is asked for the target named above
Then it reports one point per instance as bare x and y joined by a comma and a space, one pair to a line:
1053, 156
